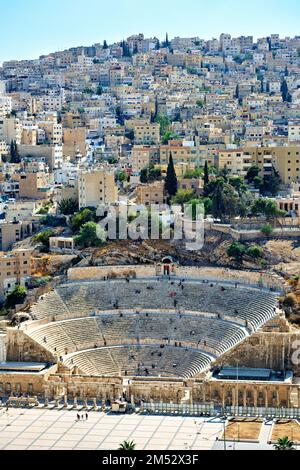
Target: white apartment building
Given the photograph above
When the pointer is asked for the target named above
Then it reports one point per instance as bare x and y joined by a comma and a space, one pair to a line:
10, 130
5, 105
294, 132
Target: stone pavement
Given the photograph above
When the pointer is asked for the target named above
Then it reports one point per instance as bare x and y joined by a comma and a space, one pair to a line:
43, 429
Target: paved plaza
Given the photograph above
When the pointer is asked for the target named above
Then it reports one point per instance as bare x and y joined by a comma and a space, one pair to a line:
42, 429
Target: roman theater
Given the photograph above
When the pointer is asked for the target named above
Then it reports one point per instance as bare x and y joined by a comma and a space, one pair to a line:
156, 336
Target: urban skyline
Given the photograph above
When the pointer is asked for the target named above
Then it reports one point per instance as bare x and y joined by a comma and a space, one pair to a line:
47, 31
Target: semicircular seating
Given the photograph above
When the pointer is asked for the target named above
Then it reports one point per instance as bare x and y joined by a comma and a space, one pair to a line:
216, 335
98, 322
74, 299
143, 361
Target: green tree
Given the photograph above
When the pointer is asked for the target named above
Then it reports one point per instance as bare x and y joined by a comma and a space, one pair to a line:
150, 174
90, 235
207, 205
144, 175
265, 207
238, 184
285, 91
105, 45
128, 446
54, 221
169, 135
267, 230
122, 176
43, 237
237, 251
271, 183
193, 207
68, 206
252, 173
183, 196
206, 174
164, 123
84, 216
16, 297
14, 152
171, 179
284, 443
255, 251
196, 173
225, 200
154, 174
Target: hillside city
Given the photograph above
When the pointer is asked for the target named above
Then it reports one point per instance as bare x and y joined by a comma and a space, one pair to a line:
140, 124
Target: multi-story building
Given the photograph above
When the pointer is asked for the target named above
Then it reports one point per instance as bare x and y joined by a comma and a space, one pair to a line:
182, 152
10, 130
74, 140
5, 105
151, 194
148, 134
34, 185
15, 269
13, 232
96, 188
143, 156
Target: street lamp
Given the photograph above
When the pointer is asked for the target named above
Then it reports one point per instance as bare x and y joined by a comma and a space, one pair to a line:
224, 426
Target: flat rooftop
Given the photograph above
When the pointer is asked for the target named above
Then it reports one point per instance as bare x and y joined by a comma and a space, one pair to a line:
245, 373
34, 367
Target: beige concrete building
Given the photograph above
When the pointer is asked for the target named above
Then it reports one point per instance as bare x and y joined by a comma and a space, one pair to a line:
143, 156
149, 194
181, 153
285, 159
12, 232
148, 134
10, 130
53, 132
34, 186
236, 161
15, 269
289, 204
96, 188
61, 244
74, 140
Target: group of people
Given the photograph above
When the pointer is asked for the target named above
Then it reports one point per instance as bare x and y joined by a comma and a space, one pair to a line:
80, 417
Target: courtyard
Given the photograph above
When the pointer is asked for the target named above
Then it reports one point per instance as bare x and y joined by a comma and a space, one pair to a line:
43, 429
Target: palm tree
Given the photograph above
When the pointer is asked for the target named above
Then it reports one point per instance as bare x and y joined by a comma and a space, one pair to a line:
127, 445
284, 444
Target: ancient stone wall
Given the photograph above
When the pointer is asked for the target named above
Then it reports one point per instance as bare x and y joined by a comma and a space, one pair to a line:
21, 348
268, 350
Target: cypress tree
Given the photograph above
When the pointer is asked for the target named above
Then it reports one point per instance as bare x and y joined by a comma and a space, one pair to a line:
14, 153
206, 174
105, 46
171, 179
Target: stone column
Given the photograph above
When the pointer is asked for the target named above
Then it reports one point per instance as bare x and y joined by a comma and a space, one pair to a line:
85, 405
245, 398
95, 403
266, 399
75, 403
65, 401
255, 397
277, 398
233, 393
223, 397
